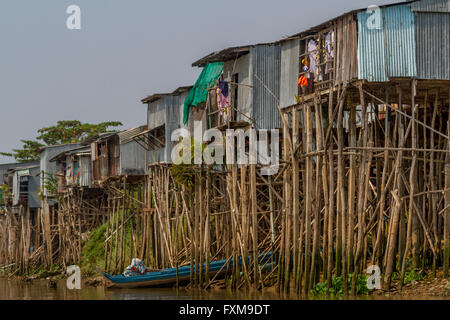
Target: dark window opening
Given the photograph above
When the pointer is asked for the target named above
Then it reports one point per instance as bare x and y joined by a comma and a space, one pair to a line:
157, 138
23, 189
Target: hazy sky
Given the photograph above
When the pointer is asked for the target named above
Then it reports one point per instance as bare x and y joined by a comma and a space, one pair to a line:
125, 51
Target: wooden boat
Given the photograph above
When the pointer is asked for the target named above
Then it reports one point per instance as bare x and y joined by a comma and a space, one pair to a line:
166, 277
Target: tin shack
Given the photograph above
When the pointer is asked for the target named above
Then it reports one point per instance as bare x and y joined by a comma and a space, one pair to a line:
247, 90
116, 154
164, 115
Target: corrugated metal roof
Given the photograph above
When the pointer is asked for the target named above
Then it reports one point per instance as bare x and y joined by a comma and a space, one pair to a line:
266, 64
431, 6
223, 55
127, 135
389, 51
433, 45
400, 41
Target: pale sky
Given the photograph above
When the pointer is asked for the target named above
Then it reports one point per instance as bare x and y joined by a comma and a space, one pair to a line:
125, 51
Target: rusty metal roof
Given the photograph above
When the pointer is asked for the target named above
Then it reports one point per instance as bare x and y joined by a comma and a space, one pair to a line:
156, 96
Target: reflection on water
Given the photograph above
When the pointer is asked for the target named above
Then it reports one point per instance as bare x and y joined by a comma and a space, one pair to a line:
13, 289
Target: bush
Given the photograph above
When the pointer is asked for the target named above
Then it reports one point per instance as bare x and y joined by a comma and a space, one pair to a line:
337, 286
93, 253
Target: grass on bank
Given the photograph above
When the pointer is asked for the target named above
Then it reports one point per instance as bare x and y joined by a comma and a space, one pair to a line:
337, 286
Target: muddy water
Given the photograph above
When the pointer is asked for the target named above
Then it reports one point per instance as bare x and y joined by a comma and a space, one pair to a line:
13, 289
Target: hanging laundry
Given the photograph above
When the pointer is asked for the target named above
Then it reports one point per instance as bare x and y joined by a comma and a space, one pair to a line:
305, 63
303, 81
313, 54
223, 101
329, 40
223, 86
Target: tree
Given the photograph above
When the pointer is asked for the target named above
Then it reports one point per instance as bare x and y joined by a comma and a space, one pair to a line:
29, 151
64, 132
73, 131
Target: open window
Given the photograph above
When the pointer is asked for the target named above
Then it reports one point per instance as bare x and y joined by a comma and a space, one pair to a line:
157, 138
317, 54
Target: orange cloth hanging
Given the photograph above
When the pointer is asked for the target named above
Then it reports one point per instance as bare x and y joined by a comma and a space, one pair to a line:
303, 81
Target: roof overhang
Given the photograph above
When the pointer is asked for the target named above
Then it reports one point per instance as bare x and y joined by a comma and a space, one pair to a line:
223, 55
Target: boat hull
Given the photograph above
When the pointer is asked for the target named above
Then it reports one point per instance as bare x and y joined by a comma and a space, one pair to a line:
169, 277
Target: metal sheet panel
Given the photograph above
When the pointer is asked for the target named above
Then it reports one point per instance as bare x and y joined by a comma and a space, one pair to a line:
132, 155
155, 114
431, 6
243, 68
400, 42
85, 171
388, 51
266, 65
132, 159
172, 122
156, 156
172, 118
34, 200
433, 45
371, 55
290, 67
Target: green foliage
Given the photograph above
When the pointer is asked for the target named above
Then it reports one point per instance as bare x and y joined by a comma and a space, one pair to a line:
410, 276
184, 173
93, 252
337, 286
5, 194
29, 151
64, 132
73, 131
50, 183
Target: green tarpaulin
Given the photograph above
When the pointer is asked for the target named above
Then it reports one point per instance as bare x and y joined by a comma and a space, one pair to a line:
199, 92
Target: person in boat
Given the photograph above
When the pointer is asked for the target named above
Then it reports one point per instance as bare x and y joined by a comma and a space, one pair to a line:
137, 268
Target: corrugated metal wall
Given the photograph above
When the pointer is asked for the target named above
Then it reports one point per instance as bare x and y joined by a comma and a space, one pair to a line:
243, 67
156, 156
33, 187
431, 6
390, 51
290, 61
132, 155
85, 171
433, 45
400, 41
171, 117
266, 64
155, 114
132, 159
371, 54
172, 122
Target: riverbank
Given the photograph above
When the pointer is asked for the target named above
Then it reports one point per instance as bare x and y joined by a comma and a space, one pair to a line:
428, 288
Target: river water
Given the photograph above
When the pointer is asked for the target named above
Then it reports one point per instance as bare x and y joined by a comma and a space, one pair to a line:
14, 289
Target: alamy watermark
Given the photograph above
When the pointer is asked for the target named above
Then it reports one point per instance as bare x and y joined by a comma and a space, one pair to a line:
374, 280
74, 279
250, 147
73, 21
374, 21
